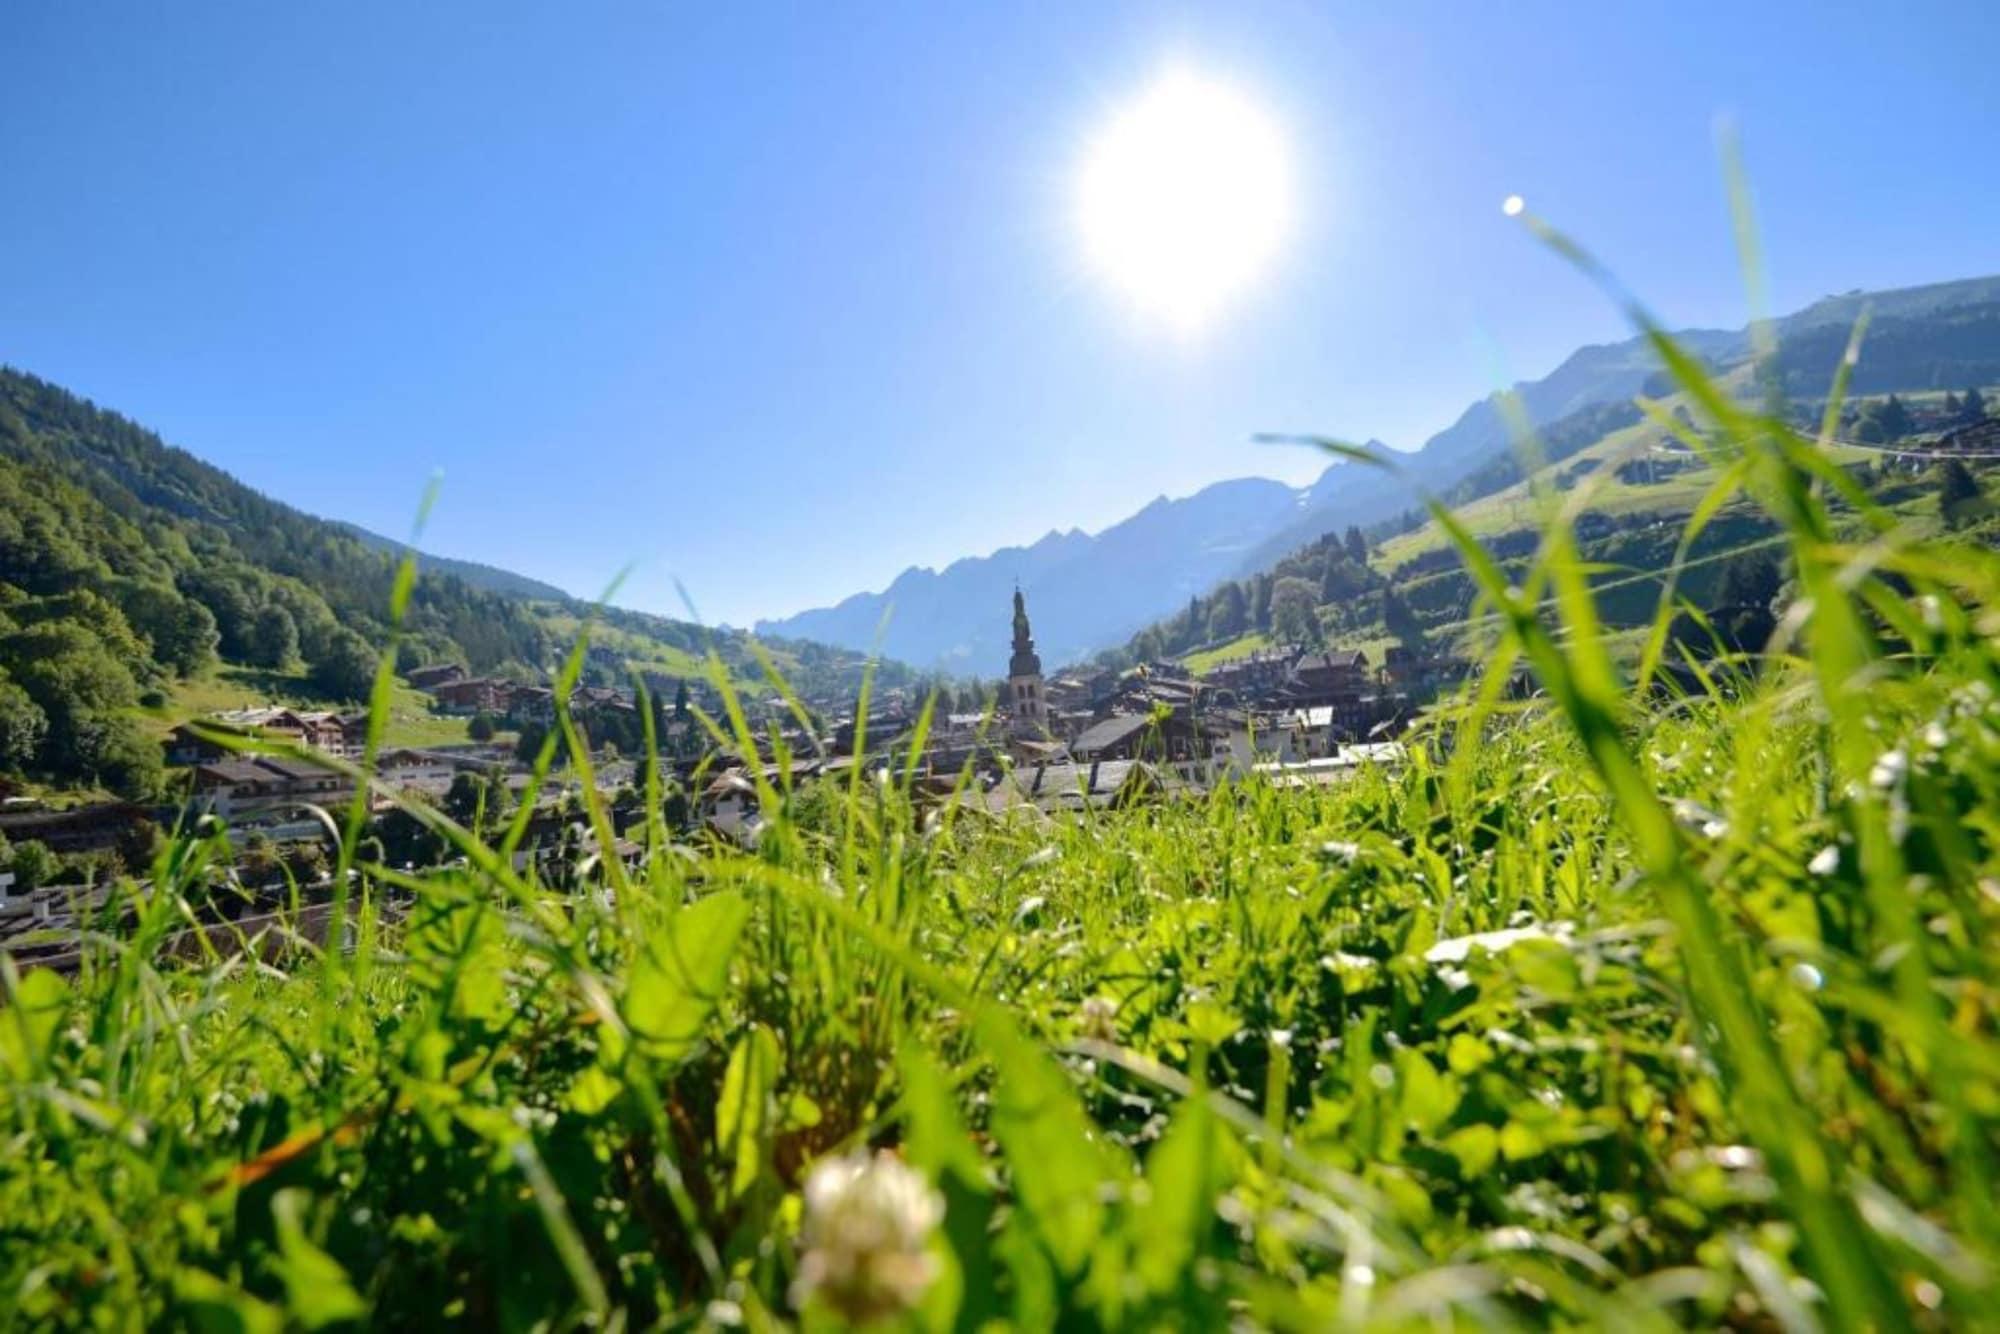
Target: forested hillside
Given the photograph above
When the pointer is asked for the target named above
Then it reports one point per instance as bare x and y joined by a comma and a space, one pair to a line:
1398, 579
127, 565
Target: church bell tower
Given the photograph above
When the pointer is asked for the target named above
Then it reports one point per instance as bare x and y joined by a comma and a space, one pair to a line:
1027, 708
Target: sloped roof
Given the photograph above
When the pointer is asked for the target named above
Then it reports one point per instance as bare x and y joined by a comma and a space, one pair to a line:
1110, 732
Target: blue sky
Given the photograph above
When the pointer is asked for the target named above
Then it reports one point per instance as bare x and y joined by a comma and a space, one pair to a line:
783, 299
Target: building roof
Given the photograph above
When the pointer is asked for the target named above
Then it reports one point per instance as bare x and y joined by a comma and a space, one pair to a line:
1071, 786
1110, 732
1334, 660
261, 769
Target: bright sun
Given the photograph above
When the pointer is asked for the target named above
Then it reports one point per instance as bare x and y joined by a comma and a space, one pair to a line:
1184, 198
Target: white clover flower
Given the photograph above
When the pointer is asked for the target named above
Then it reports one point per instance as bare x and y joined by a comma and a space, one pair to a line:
1098, 1018
1826, 861
1697, 818
866, 1237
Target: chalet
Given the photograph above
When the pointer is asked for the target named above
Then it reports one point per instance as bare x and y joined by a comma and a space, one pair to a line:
728, 806
604, 699
409, 770
254, 784
331, 734
319, 730
77, 829
1082, 690
1254, 675
1253, 739
1170, 735
470, 695
354, 726
874, 730
437, 674
531, 704
184, 745
1322, 678
1120, 737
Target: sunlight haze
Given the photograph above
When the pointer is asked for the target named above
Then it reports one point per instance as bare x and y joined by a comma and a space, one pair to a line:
1184, 197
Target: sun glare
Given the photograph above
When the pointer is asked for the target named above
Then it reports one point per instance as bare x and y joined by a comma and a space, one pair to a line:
1184, 198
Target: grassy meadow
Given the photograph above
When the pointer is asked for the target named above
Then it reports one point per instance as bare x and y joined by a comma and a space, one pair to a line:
409, 718
1658, 1000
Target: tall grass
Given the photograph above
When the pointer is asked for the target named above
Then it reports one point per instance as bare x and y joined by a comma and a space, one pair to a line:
1623, 1006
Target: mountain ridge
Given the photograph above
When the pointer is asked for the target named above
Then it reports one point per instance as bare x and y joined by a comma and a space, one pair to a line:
1101, 591
491, 578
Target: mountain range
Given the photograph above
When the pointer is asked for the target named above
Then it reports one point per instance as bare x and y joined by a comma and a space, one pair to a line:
1089, 591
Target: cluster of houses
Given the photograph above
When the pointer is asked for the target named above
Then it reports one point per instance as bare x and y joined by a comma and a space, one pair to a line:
1278, 704
454, 691
245, 787
1079, 739
1094, 738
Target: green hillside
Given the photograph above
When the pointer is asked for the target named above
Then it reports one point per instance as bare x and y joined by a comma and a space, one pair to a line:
1631, 486
137, 581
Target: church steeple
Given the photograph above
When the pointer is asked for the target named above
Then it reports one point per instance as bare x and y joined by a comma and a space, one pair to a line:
1030, 711
1024, 661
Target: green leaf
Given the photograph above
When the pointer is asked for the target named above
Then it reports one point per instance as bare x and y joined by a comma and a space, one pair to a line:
1211, 1023
1520, 1140
1467, 1053
799, 1112
743, 1120
219, 1308
593, 1090
28, 1025
1428, 1098
1185, 1176
679, 977
1056, 1165
317, 1292
935, 1141
1546, 966
1475, 1147
935, 1138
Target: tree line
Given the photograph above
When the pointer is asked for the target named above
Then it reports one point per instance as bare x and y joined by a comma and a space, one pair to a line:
126, 565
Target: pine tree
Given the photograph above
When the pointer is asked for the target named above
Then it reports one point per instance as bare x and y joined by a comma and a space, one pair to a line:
1750, 580
1260, 602
1958, 489
1228, 612
1398, 618
1895, 419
